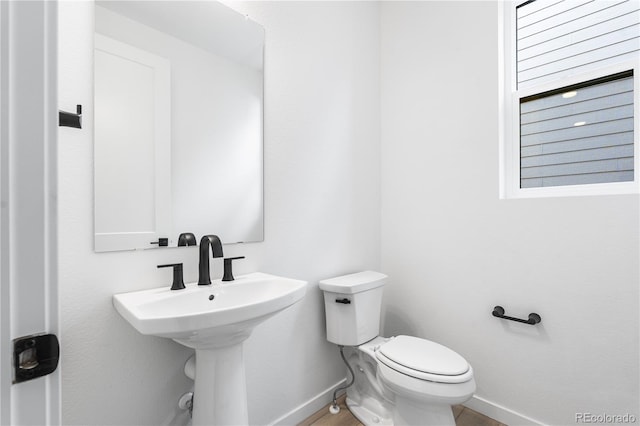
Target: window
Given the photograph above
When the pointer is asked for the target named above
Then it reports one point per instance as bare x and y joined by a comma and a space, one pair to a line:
571, 97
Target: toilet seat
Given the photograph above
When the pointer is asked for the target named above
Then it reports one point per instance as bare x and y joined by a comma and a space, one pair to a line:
423, 359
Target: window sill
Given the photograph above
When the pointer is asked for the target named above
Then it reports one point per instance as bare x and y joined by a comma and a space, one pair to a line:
621, 188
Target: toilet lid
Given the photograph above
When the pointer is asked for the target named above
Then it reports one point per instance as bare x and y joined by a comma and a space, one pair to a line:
424, 359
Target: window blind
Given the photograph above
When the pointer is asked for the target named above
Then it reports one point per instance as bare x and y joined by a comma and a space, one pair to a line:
560, 38
580, 134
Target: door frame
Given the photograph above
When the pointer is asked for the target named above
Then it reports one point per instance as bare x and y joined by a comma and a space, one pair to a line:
28, 201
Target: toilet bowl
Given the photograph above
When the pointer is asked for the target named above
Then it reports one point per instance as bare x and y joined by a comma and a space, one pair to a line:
401, 380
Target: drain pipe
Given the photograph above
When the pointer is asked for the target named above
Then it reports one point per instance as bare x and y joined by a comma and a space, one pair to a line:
190, 367
334, 408
186, 403
186, 400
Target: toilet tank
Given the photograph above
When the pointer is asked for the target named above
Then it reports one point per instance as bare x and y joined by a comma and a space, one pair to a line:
352, 306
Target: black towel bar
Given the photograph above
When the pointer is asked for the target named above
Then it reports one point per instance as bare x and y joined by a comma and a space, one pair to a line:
534, 318
69, 119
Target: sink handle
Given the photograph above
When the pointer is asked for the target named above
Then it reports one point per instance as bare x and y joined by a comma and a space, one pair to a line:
178, 283
228, 273
187, 239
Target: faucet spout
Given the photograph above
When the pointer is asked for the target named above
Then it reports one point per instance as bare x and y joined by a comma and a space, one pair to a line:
213, 242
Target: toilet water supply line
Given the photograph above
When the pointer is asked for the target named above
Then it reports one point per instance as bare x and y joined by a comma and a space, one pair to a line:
334, 409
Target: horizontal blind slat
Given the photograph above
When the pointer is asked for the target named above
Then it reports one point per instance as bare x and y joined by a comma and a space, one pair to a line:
620, 51
581, 179
569, 109
554, 42
612, 152
575, 24
578, 15
616, 126
614, 139
541, 16
570, 37
615, 87
574, 49
570, 121
582, 68
535, 7
598, 166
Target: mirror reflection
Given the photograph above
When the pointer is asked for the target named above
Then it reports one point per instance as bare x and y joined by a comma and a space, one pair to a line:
178, 96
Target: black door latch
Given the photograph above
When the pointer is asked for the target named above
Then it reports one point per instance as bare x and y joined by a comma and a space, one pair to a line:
35, 356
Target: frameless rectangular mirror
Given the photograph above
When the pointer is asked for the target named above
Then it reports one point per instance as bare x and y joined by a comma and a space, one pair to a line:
178, 139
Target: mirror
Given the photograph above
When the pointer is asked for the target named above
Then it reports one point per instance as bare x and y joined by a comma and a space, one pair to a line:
178, 138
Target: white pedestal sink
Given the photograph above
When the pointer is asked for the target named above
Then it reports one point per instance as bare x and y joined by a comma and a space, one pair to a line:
214, 320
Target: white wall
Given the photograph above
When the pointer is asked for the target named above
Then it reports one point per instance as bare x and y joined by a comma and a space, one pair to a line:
453, 250
322, 204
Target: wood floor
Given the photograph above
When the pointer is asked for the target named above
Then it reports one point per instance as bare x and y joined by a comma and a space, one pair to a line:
464, 417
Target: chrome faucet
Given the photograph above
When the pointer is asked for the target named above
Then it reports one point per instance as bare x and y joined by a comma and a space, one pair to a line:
216, 251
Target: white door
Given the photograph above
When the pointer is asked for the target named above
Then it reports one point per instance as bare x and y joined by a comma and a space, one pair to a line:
28, 222
132, 87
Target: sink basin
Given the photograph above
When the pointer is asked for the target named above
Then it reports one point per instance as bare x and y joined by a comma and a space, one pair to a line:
214, 320
202, 315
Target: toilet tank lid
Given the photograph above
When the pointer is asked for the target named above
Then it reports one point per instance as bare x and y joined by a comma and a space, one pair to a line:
354, 283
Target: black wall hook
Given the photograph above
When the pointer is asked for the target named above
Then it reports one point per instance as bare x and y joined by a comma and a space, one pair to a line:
69, 119
534, 318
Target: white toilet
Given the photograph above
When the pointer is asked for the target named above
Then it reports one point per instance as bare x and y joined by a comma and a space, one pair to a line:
400, 380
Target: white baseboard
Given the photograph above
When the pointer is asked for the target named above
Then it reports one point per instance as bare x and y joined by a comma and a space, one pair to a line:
500, 413
309, 407
476, 403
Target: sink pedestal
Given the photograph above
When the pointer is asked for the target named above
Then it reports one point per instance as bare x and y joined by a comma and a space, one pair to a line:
220, 391
215, 320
